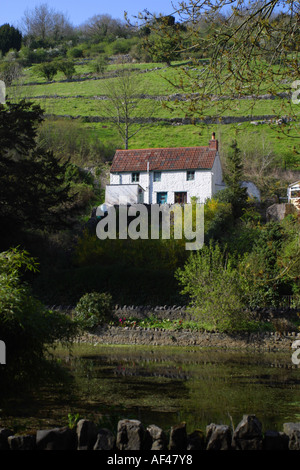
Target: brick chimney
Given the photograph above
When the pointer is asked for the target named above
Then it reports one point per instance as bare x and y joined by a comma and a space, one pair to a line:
213, 143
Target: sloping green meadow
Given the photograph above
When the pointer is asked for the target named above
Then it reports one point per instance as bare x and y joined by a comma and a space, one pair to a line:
83, 97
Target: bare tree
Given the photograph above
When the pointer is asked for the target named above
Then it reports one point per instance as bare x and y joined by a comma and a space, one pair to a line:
44, 22
101, 26
253, 50
124, 95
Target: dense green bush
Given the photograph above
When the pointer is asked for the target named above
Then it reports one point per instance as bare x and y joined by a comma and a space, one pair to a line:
70, 140
10, 71
100, 64
47, 70
27, 327
82, 194
271, 268
66, 67
10, 38
75, 53
94, 309
212, 282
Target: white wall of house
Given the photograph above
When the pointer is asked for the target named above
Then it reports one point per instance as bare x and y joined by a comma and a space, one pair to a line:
293, 193
116, 194
217, 176
204, 185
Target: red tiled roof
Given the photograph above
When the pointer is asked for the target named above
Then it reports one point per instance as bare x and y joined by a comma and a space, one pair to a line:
161, 159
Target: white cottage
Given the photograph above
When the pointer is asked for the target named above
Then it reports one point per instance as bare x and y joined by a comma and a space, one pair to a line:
165, 175
293, 194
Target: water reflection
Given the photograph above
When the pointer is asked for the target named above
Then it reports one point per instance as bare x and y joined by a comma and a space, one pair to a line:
165, 385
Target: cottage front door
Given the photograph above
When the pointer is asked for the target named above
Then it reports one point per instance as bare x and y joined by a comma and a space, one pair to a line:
161, 198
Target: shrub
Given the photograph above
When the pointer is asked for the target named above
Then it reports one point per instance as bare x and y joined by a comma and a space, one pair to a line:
101, 64
120, 46
27, 327
47, 70
82, 194
94, 309
215, 288
10, 71
67, 68
75, 53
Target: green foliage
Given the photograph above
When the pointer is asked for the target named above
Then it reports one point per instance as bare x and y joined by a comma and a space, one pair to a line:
120, 46
10, 38
10, 71
83, 194
218, 218
260, 266
156, 254
75, 53
271, 269
33, 192
47, 70
73, 420
71, 140
233, 177
27, 327
29, 56
164, 42
66, 67
101, 64
94, 309
134, 285
75, 174
215, 290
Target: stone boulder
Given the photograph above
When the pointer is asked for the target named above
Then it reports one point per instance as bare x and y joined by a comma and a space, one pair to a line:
155, 438
56, 439
178, 437
87, 433
278, 212
130, 435
274, 440
218, 437
4, 435
248, 434
22, 442
105, 440
196, 441
292, 430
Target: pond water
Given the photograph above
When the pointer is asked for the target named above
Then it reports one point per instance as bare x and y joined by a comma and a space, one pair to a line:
164, 386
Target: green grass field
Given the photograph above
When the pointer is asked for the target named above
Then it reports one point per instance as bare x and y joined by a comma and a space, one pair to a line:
78, 98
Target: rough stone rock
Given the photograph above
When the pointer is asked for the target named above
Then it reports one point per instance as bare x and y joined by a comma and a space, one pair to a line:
178, 437
274, 440
248, 434
130, 434
155, 438
87, 433
105, 440
4, 435
56, 439
196, 441
292, 430
218, 437
21, 442
279, 211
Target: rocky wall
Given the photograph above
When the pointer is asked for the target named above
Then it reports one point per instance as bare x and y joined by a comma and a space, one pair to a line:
163, 337
132, 435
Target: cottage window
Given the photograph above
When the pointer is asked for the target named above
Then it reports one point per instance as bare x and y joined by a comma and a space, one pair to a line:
295, 193
135, 177
190, 175
157, 176
180, 198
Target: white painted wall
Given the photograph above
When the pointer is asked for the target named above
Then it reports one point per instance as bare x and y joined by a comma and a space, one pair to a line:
217, 176
117, 194
204, 186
